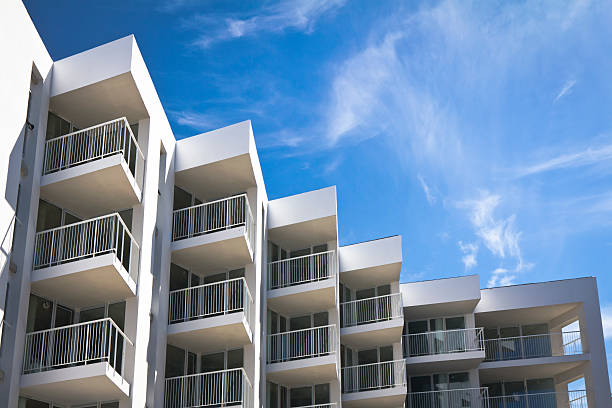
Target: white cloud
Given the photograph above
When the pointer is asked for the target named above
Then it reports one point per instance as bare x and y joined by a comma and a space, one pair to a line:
501, 277
331, 166
196, 120
431, 198
300, 15
587, 157
470, 251
606, 321
566, 89
499, 235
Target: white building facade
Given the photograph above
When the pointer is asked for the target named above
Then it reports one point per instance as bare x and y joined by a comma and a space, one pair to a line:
142, 271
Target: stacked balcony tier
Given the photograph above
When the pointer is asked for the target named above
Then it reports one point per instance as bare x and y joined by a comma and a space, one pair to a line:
381, 384
86, 263
217, 389
373, 321
95, 170
76, 363
303, 283
305, 356
214, 235
212, 316
444, 350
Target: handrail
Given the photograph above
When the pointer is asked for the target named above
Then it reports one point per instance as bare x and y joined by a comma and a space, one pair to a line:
88, 238
94, 143
213, 216
533, 346
371, 310
453, 398
211, 299
301, 256
83, 343
221, 388
443, 342
301, 269
367, 377
572, 399
303, 343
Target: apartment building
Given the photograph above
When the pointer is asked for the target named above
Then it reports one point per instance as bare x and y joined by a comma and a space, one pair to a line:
142, 271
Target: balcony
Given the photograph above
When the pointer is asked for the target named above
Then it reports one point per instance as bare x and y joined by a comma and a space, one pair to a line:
95, 170
214, 235
445, 350
372, 321
545, 355
380, 384
303, 283
459, 398
86, 263
76, 364
212, 316
218, 389
570, 399
535, 346
306, 356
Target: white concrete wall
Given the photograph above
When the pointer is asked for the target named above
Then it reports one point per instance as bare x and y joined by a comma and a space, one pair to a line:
368, 254
465, 288
302, 207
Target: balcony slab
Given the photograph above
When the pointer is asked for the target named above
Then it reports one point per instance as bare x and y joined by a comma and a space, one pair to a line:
447, 362
76, 385
304, 371
85, 282
542, 367
92, 189
222, 249
211, 333
373, 334
312, 296
391, 397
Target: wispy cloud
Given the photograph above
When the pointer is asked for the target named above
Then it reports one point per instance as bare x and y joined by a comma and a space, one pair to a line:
301, 15
331, 166
196, 120
566, 89
499, 235
606, 321
470, 251
431, 198
501, 277
587, 157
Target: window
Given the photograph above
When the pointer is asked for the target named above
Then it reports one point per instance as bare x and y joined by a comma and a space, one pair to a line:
309, 395
57, 126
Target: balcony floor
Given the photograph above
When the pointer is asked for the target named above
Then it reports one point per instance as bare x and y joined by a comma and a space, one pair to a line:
373, 334
216, 250
85, 282
542, 367
312, 296
391, 397
305, 371
92, 189
211, 333
76, 385
445, 362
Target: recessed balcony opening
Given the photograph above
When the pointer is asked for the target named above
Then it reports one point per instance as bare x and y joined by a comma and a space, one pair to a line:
452, 398
381, 383
215, 234
535, 393
304, 281
212, 315
87, 262
94, 170
76, 363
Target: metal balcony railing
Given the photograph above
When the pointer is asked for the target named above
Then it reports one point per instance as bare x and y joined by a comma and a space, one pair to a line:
214, 216
371, 310
329, 405
539, 345
212, 299
443, 342
569, 399
213, 389
78, 344
95, 143
301, 269
368, 377
304, 343
87, 239
458, 398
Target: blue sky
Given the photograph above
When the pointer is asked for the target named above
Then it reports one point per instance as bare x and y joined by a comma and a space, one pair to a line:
479, 131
